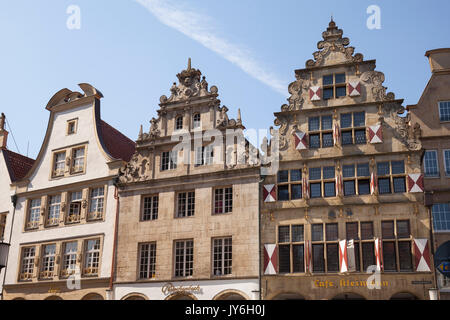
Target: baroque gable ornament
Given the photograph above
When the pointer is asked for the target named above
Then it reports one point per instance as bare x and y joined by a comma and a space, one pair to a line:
333, 47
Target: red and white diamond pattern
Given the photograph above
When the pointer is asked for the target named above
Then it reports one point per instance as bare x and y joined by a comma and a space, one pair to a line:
314, 93
300, 140
376, 134
270, 259
415, 182
343, 260
354, 88
269, 193
422, 255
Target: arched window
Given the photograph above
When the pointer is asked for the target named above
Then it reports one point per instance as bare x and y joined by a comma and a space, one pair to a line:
197, 121
179, 123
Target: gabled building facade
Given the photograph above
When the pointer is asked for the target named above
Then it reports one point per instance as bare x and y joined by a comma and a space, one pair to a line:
432, 112
348, 196
13, 167
63, 231
188, 224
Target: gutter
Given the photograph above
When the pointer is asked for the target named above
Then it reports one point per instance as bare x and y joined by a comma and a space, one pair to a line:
109, 292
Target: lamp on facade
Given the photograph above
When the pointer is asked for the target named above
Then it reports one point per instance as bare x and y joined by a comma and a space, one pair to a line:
4, 248
433, 292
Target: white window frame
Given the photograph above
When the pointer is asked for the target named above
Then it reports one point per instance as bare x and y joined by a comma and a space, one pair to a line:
96, 203
78, 162
185, 272
147, 263
48, 261
222, 244
59, 166
34, 213
221, 197
92, 257
150, 212
182, 205
171, 157
196, 124
54, 210
28, 256
69, 258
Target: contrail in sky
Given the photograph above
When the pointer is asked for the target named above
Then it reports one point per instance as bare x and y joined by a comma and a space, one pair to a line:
199, 28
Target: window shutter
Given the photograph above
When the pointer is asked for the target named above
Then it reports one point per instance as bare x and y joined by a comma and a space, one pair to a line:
269, 193
422, 255
415, 182
315, 93
354, 88
343, 259
270, 259
375, 134
300, 139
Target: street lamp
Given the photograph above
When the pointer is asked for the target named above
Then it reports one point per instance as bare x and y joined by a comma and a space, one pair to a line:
4, 248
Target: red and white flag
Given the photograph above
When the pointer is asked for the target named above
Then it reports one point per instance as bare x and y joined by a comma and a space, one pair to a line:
373, 183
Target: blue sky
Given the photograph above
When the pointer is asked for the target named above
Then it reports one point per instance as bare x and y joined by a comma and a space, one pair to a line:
132, 50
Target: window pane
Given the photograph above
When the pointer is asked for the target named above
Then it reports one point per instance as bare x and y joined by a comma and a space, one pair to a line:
340, 78
316, 190
360, 136
447, 162
285, 259
329, 189
389, 258
444, 111
296, 175
359, 119
403, 229
347, 138
283, 234
327, 93
349, 188
318, 258
346, 120
314, 124
430, 163
328, 172
387, 229
352, 230
332, 258
298, 258
327, 123
405, 256
364, 187
327, 140
368, 255
314, 141
332, 231
357, 258
297, 233
341, 91
384, 186
441, 216
383, 168
399, 185
315, 173
366, 230
296, 191
398, 167
283, 193
283, 176
363, 170
348, 171
317, 232
327, 80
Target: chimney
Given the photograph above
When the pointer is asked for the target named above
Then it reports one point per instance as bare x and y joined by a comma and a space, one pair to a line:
3, 132
439, 60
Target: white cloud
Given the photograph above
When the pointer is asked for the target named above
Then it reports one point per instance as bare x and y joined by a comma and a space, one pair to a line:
199, 28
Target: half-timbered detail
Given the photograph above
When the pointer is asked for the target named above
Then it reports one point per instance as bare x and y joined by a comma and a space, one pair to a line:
362, 183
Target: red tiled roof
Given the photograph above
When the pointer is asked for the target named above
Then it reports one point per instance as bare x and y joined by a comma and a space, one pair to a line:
116, 144
18, 165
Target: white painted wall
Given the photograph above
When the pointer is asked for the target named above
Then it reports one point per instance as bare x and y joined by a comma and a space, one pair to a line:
96, 167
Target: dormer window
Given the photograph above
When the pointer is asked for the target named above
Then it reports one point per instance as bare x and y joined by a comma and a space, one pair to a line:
179, 123
334, 86
197, 121
72, 126
59, 164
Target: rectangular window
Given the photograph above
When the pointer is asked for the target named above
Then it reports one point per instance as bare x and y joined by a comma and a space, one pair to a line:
288, 187
391, 177
223, 200
34, 214
317, 232
204, 156
222, 256
291, 244
334, 86
59, 164
185, 204
441, 216
318, 258
27, 267
444, 111
400, 245
320, 132
364, 243
2, 226
69, 258
54, 210
332, 257
389, 257
78, 160
72, 126
91, 257
147, 260
169, 160
150, 208
184, 258
447, 162
430, 163
285, 259
48, 261
97, 200
405, 256
73, 215
353, 126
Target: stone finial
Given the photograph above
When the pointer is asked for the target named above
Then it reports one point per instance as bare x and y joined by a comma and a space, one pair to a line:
3, 132
2, 122
239, 119
189, 64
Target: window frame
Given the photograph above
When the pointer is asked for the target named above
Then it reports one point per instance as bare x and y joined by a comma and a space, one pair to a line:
73, 122
152, 215
187, 212
186, 272
48, 265
194, 121
289, 184
225, 270
396, 240
96, 215
353, 129
322, 181
177, 126
446, 168
67, 256
150, 262
436, 163
225, 209
439, 110
33, 224
321, 132
291, 244
392, 176
54, 221
76, 169
171, 163
88, 269
30, 265
335, 85
56, 171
